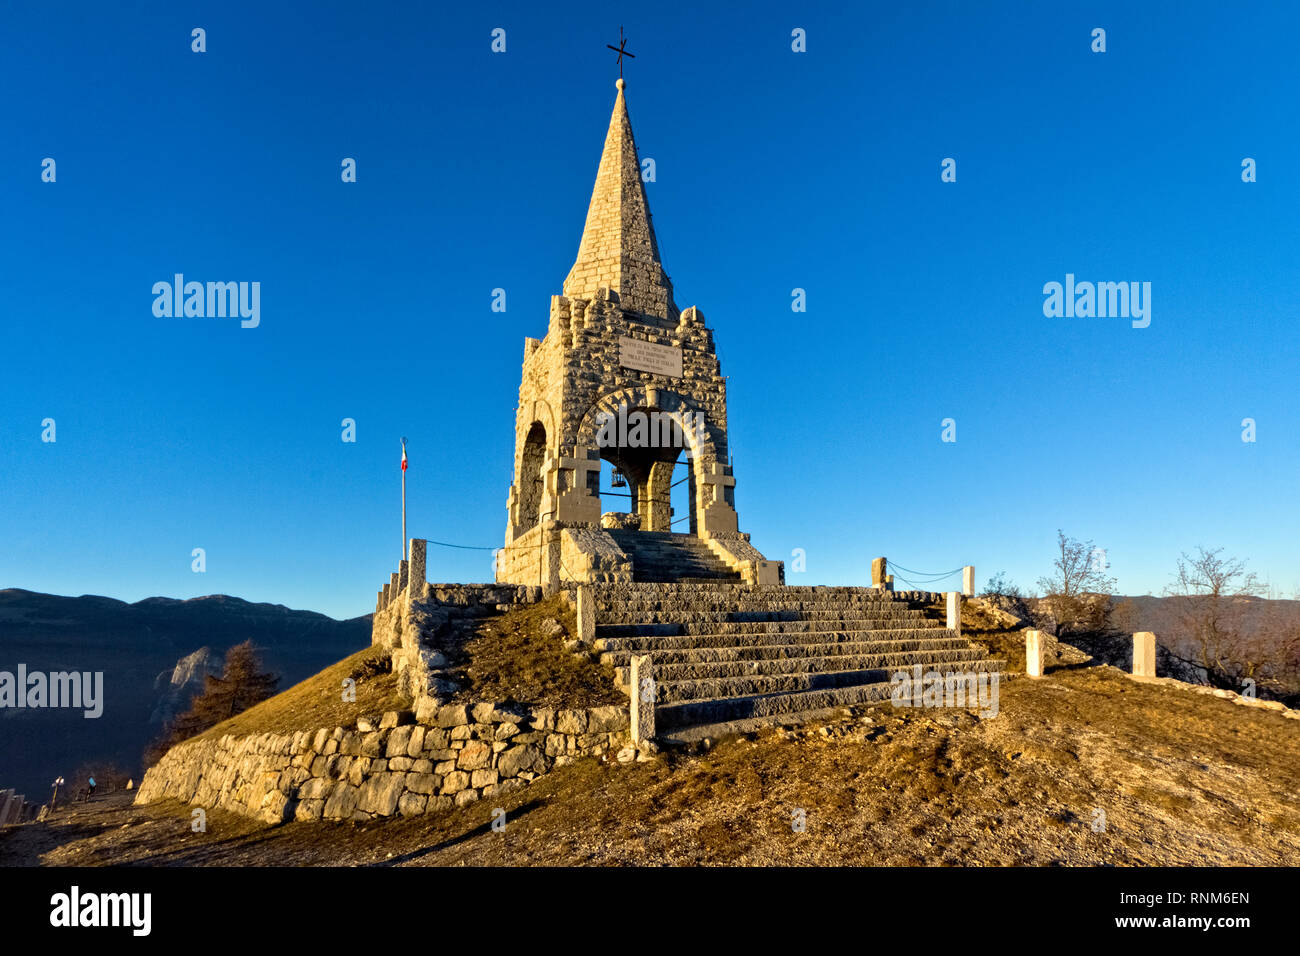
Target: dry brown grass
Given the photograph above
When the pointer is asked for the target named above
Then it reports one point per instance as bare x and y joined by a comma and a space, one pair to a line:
514, 657
1184, 779
318, 701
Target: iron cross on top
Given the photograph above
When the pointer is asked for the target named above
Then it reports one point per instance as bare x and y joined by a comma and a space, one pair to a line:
621, 51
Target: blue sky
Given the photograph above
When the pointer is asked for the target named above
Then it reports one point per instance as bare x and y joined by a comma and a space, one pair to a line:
775, 170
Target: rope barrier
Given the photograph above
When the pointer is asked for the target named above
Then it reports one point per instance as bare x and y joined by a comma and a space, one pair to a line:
936, 575
463, 547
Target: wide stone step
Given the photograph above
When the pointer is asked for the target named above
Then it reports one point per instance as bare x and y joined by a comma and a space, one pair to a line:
769, 652
703, 688
795, 666
758, 621
721, 602
646, 643
638, 610
718, 710
670, 629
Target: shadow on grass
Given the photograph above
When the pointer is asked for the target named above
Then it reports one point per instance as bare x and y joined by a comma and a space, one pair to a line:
480, 830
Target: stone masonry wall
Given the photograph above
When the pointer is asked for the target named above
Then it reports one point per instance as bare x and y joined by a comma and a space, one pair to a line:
438, 758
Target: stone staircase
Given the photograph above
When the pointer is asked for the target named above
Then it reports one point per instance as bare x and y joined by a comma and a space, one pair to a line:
662, 556
731, 657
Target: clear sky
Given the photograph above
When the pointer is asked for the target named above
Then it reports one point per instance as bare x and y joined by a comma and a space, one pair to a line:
775, 170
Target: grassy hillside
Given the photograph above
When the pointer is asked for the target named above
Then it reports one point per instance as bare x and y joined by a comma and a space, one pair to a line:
1183, 779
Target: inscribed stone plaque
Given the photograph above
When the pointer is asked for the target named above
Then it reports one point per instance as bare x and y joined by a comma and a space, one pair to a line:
649, 357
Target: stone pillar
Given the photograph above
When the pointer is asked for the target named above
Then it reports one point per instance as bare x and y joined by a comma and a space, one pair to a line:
386, 596
878, 572
586, 615
549, 561
690, 495
5, 796
1144, 654
968, 580
954, 612
1034, 653
419, 551
642, 691
379, 600
403, 575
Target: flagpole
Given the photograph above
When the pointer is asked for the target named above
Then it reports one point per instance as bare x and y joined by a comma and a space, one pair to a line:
404, 499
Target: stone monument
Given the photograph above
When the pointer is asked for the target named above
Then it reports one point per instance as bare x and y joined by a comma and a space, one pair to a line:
622, 375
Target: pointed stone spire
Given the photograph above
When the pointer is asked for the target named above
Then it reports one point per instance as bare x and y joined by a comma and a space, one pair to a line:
618, 249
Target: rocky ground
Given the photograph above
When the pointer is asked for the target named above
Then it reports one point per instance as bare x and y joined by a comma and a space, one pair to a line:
1182, 779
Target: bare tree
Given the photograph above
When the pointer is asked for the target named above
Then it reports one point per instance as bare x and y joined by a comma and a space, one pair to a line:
1221, 636
1077, 597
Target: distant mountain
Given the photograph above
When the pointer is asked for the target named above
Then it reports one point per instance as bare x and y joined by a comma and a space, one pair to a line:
153, 655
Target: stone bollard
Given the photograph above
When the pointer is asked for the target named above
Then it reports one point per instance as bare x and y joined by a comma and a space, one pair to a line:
416, 572
878, 572
393, 589
1144, 654
642, 691
1034, 653
968, 580
586, 615
403, 574
386, 595
954, 612
379, 600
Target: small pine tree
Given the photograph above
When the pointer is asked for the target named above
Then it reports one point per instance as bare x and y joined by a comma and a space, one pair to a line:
242, 684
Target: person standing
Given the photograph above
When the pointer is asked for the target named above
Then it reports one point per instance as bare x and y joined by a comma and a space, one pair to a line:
92, 786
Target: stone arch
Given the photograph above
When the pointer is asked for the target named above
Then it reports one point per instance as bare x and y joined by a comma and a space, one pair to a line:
530, 484
649, 473
661, 399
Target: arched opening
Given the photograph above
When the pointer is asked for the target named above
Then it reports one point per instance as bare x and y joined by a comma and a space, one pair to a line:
530, 476
646, 472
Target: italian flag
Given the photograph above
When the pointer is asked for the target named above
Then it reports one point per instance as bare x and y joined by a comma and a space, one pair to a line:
403, 458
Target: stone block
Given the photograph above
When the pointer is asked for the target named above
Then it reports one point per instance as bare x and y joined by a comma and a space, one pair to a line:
411, 804
586, 615
425, 783
418, 551
643, 693
453, 715
380, 793
415, 745
1034, 653
475, 755
571, 721
1144, 654
954, 612
398, 741
455, 781
518, 759
968, 580
878, 572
